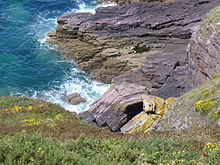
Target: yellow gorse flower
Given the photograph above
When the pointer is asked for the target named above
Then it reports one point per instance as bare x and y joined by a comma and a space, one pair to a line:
49, 122
30, 122
59, 117
211, 147
17, 109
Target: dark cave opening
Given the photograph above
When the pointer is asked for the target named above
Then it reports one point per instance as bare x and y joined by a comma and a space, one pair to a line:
133, 110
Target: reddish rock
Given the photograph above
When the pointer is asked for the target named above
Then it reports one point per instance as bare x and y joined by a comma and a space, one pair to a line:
204, 51
142, 43
110, 109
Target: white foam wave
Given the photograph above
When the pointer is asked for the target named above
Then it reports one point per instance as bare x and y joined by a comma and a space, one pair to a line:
88, 90
74, 81
83, 8
50, 24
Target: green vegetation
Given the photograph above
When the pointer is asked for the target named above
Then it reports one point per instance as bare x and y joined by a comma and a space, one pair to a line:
142, 49
196, 108
208, 105
35, 132
155, 149
31, 115
205, 99
213, 18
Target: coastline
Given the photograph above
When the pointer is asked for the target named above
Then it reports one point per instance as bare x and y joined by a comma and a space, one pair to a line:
147, 52
117, 48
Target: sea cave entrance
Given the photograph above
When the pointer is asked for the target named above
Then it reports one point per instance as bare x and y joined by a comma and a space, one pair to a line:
133, 110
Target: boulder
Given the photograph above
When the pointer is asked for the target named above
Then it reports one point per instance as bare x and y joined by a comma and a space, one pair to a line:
74, 99
127, 108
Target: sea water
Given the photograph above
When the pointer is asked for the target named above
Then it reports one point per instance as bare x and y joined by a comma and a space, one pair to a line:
30, 67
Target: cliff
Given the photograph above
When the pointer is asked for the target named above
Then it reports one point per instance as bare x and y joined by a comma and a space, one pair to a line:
203, 51
141, 43
144, 50
202, 104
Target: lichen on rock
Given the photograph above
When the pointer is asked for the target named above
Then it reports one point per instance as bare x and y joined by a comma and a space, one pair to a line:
127, 108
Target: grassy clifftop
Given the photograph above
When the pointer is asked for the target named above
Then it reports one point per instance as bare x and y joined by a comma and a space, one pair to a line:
30, 115
35, 132
196, 108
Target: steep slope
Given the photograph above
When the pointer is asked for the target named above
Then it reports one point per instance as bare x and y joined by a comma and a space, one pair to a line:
196, 108
204, 51
35, 132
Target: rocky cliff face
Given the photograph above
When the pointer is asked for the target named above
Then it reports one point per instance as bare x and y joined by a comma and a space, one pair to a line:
204, 51
202, 104
142, 43
128, 1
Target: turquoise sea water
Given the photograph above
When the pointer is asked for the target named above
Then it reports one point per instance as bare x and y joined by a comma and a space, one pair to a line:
28, 66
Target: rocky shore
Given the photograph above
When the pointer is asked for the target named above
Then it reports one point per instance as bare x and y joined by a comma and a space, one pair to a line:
142, 45
148, 52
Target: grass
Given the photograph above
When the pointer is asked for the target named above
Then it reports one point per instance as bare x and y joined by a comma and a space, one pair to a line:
212, 20
29, 115
60, 138
195, 108
204, 99
161, 149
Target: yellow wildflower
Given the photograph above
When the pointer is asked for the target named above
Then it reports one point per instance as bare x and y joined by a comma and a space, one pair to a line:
29, 108
59, 117
211, 147
35, 123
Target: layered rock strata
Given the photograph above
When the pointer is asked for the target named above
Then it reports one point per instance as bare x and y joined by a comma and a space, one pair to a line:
142, 43
127, 108
128, 1
204, 51
201, 105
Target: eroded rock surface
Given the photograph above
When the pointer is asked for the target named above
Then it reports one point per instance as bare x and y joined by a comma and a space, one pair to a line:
204, 51
142, 43
199, 106
127, 108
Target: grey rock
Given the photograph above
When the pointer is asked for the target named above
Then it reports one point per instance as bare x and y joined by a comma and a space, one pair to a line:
74, 99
